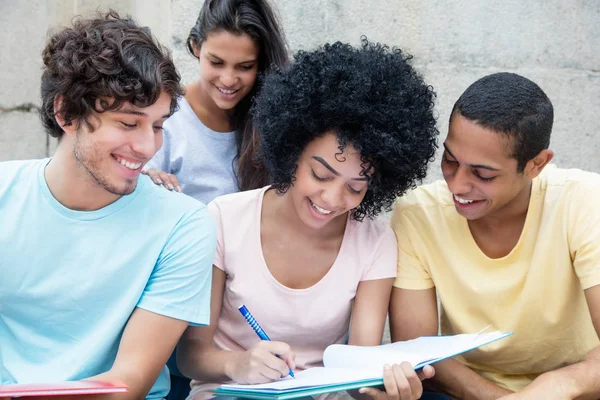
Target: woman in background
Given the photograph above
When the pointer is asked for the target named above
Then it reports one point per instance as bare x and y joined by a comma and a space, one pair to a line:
210, 143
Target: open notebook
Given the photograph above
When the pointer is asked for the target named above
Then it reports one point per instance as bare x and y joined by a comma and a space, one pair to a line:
70, 388
353, 367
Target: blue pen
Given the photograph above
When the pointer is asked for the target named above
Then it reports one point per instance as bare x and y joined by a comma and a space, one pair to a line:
259, 331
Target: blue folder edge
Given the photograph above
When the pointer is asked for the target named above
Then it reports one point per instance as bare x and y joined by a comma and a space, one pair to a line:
283, 394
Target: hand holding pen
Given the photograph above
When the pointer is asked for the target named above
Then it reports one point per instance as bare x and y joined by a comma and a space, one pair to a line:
267, 360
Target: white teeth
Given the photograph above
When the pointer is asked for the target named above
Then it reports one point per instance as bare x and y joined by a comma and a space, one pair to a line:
127, 164
226, 91
320, 210
462, 201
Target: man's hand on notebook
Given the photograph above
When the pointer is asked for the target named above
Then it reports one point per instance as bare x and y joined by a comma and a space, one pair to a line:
401, 382
267, 361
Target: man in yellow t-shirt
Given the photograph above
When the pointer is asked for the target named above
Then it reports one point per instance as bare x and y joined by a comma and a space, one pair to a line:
508, 241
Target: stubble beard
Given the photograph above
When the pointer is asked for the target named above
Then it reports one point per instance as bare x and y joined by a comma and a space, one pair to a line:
86, 157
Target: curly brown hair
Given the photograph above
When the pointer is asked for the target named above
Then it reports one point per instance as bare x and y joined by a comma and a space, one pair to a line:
104, 57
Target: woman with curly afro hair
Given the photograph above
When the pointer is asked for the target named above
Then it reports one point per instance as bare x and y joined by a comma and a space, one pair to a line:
343, 131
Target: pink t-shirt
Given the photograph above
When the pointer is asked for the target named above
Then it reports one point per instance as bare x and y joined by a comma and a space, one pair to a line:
308, 319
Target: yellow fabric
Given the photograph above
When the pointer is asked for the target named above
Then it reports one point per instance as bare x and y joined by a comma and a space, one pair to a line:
536, 291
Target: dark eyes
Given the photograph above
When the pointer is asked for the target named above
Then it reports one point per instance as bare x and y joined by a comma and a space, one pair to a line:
320, 179
475, 172
133, 126
482, 178
447, 160
244, 67
317, 177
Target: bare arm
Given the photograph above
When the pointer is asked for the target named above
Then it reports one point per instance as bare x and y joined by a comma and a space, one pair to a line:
147, 342
368, 321
369, 312
198, 359
196, 356
414, 313
577, 381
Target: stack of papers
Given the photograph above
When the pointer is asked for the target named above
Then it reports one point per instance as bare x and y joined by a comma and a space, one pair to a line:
352, 367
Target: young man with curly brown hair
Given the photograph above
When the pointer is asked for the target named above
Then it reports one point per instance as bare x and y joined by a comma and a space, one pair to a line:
101, 270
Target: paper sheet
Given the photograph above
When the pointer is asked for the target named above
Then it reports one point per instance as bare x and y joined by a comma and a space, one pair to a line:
313, 377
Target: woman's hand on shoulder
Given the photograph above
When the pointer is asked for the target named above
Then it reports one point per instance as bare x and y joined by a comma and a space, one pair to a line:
401, 382
267, 361
169, 181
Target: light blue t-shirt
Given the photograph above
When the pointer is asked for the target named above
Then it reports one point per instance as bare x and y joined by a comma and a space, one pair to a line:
69, 280
202, 159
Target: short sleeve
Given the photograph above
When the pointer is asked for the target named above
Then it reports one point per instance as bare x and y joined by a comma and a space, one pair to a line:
411, 273
385, 258
215, 210
584, 233
180, 284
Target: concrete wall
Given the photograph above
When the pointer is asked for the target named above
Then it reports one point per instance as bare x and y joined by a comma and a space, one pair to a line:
556, 43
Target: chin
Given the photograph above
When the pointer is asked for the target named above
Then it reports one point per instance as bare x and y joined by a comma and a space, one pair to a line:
122, 190
226, 106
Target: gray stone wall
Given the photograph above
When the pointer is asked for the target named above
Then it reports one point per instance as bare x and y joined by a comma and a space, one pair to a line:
556, 43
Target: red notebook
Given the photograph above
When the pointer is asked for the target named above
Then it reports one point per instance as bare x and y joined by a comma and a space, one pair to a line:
60, 388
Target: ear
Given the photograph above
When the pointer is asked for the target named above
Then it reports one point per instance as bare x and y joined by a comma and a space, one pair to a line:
195, 48
68, 127
535, 166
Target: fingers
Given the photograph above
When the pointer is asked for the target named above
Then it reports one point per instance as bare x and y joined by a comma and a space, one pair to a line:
252, 366
396, 388
406, 371
174, 182
169, 181
372, 392
426, 372
281, 357
271, 370
281, 350
401, 382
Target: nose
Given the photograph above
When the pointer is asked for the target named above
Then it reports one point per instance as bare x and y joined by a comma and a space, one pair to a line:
333, 197
229, 79
459, 182
146, 142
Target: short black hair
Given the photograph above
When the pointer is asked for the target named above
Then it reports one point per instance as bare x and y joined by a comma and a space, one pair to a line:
105, 56
371, 97
513, 105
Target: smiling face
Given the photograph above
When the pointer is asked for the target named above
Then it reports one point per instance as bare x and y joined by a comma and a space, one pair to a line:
123, 141
228, 67
480, 171
328, 183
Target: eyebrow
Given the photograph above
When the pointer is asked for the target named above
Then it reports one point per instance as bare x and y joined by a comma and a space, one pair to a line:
220, 59
329, 167
483, 166
138, 113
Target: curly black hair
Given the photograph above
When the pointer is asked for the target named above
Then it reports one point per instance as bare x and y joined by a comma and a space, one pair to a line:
371, 97
106, 56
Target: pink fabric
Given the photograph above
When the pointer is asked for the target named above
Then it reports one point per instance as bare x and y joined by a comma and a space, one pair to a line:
307, 319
